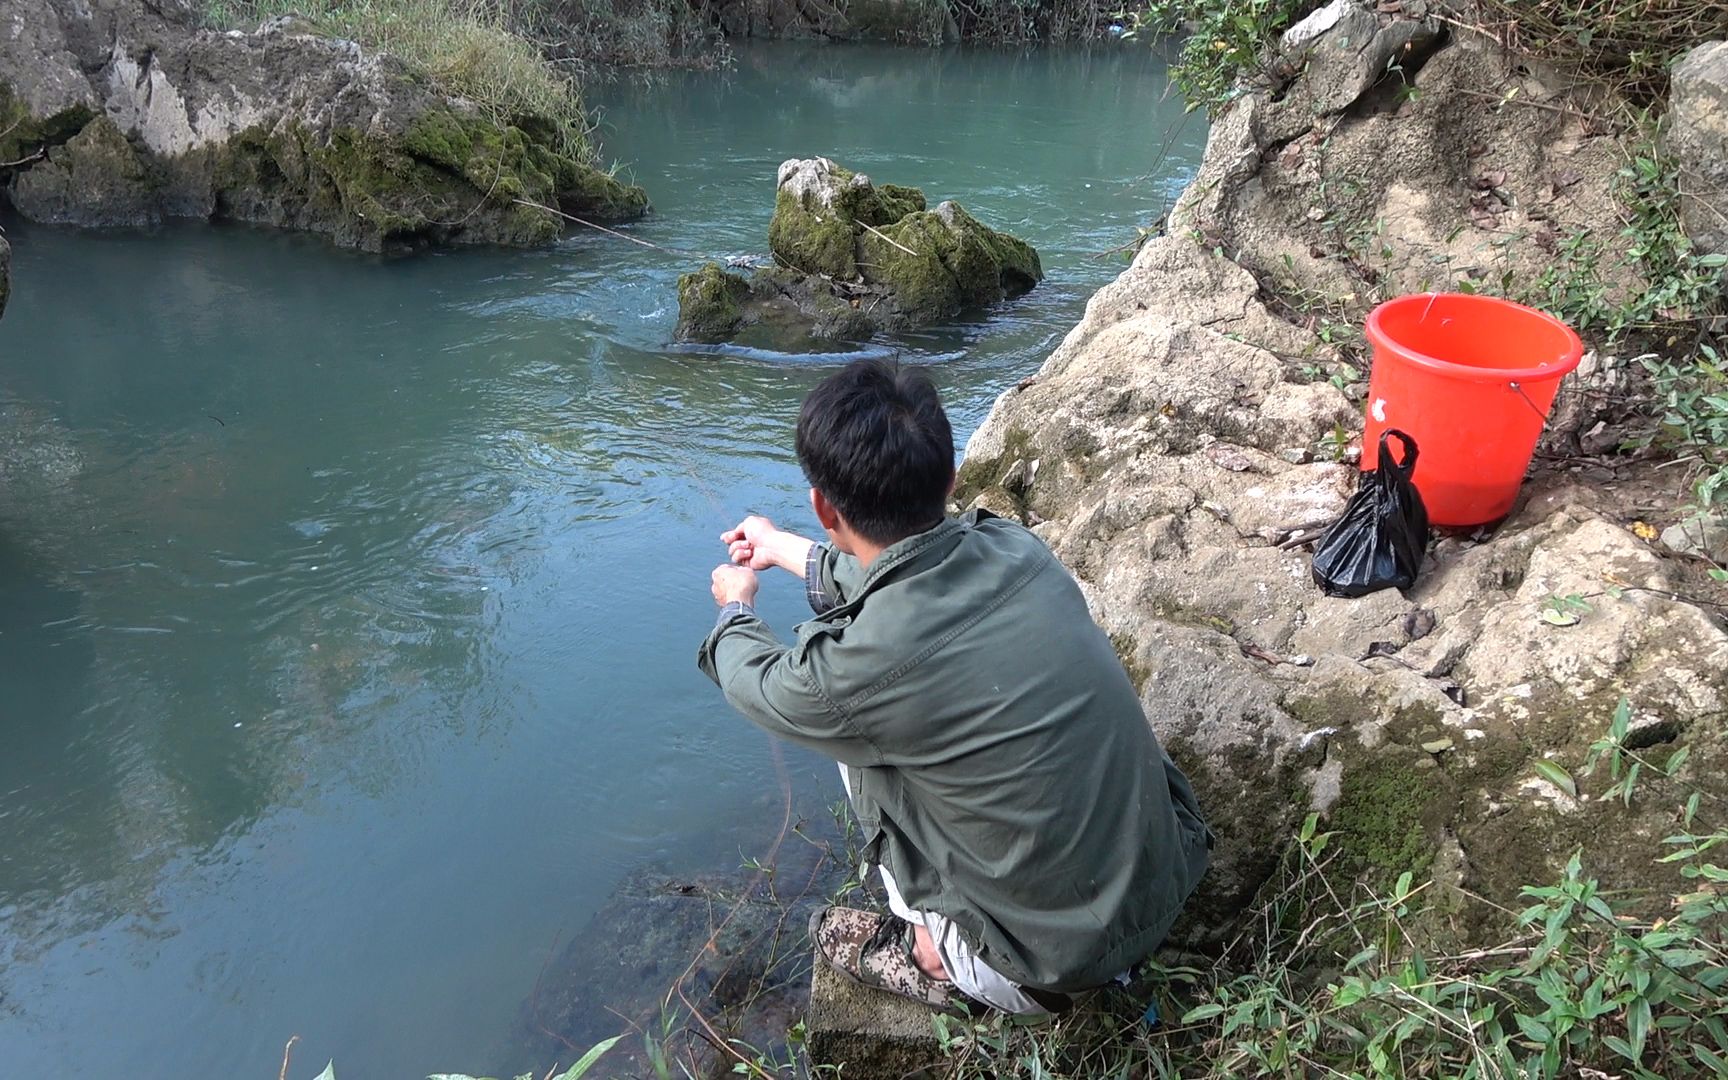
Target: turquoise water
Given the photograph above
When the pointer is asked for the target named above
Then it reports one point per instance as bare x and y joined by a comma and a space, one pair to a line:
348, 607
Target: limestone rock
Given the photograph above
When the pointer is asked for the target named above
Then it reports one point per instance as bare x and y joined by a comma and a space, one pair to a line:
125, 112
1150, 451
708, 304
1699, 535
854, 257
95, 178
1696, 134
1382, 166
868, 1034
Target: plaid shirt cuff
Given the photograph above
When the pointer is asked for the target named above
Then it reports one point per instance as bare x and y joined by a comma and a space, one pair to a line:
736, 607
820, 601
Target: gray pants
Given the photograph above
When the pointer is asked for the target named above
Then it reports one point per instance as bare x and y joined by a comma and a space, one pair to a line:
971, 976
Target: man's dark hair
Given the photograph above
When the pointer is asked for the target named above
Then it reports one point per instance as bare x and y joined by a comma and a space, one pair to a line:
873, 439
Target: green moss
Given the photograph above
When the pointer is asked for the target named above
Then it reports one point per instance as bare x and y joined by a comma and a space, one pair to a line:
910, 257
1331, 707
442, 137
22, 135
709, 304
1172, 610
1389, 813
1127, 650
938, 262
977, 475
893, 202
815, 240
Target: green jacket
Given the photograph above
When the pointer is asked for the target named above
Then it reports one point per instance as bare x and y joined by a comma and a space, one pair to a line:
1004, 771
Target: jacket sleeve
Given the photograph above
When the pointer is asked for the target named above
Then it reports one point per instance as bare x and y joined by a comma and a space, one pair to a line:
779, 689
830, 578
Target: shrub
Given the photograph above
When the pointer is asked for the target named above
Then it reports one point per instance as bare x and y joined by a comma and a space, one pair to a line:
1226, 44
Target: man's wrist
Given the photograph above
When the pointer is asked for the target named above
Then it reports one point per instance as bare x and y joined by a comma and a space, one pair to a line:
790, 551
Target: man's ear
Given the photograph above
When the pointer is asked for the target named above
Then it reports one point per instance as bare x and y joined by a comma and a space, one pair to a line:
825, 512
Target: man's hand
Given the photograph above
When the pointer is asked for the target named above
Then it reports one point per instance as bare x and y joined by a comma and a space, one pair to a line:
733, 583
759, 544
752, 543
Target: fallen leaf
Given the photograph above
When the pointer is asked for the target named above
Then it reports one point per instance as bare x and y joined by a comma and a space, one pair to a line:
1643, 530
1557, 776
1559, 618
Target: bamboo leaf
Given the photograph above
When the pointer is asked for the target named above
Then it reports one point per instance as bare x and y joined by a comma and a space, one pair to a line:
1557, 776
587, 1060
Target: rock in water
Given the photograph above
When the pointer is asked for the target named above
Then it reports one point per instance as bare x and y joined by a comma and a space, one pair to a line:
123, 112
854, 258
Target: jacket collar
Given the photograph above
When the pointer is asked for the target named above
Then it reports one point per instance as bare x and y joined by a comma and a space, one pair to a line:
904, 551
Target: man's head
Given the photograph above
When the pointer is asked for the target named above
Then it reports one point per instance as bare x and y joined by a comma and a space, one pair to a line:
877, 450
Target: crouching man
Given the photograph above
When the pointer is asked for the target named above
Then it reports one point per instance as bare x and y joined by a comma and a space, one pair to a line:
1034, 839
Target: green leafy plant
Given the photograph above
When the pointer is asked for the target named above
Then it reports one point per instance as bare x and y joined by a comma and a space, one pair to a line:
1692, 416
1226, 41
574, 1072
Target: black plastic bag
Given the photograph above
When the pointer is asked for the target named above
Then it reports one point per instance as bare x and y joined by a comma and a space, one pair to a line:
1382, 537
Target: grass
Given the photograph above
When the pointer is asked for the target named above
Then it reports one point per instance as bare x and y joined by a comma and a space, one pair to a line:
469, 48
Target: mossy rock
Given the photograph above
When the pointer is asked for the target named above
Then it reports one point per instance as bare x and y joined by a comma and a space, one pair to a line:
938, 262
22, 135
94, 178
854, 257
820, 210
452, 177
710, 304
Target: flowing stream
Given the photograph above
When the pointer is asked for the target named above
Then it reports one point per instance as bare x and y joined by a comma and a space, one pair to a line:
348, 606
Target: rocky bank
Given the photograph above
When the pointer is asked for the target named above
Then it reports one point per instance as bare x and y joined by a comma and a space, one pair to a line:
127, 112
1179, 452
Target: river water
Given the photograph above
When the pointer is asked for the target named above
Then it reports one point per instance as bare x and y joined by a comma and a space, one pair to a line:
348, 607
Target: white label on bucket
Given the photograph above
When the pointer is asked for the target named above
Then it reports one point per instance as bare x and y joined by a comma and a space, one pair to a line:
1379, 410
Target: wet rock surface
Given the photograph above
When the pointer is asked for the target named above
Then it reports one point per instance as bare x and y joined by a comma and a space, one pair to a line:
852, 258
1179, 455
122, 112
732, 946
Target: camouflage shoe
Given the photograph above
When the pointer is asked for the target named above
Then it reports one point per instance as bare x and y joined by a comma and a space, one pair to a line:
876, 950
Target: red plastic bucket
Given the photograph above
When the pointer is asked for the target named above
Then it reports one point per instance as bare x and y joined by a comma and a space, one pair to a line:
1471, 379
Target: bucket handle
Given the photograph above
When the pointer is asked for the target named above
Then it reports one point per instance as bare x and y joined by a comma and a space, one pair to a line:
1519, 390
1406, 467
